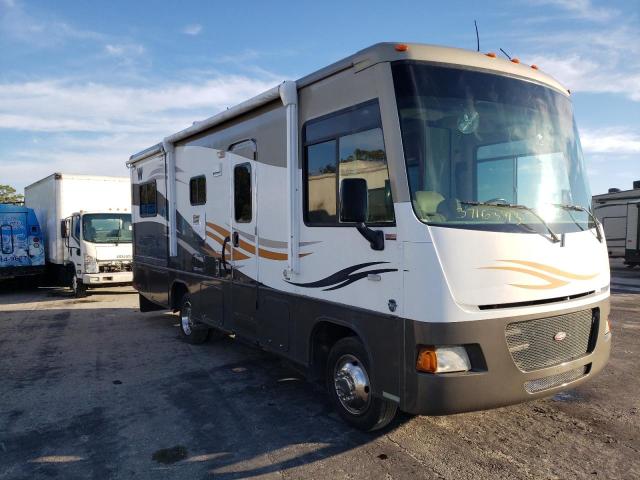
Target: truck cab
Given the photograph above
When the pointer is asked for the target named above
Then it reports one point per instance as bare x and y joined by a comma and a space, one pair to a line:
97, 249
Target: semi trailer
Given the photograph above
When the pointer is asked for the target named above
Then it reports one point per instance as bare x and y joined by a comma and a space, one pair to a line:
86, 226
21, 248
411, 224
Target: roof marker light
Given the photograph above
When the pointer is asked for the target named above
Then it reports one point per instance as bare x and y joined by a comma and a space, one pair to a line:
535, 67
515, 60
491, 54
401, 47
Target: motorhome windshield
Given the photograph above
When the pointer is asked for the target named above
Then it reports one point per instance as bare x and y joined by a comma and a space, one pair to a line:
481, 147
107, 227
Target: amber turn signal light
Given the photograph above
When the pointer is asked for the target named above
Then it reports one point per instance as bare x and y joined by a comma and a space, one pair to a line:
427, 360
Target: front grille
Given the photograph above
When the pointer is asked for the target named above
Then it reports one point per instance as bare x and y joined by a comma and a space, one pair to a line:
544, 383
534, 344
110, 267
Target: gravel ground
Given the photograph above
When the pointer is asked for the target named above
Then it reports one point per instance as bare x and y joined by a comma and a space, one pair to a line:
92, 388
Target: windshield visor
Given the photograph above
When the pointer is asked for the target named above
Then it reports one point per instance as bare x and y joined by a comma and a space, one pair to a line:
476, 143
107, 228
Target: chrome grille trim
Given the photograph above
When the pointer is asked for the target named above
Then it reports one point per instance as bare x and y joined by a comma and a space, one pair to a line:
532, 344
545, 383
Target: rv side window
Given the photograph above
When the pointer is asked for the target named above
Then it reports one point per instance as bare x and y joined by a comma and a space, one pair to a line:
148, 199
242, 192
198, 190
346, 144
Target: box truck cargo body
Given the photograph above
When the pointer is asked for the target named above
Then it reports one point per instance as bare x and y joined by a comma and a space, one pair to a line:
86, 224
412, 224
21, 248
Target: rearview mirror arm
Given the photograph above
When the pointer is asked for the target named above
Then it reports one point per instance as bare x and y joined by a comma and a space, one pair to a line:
375, 237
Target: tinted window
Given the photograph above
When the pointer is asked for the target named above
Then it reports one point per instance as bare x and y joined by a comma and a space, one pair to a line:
352, 146
242, 192
198, 190
76, 227
148, 200
321, 182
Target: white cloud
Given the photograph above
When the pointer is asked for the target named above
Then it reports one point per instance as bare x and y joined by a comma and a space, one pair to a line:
192, 29
583, 9
124, 50
586, 73
43, 32
95, 127
613, 141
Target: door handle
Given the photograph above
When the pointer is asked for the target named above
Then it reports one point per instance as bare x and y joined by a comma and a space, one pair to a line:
223, 260
236, 239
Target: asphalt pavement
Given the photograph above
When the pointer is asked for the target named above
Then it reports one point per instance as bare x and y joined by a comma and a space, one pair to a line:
92, 388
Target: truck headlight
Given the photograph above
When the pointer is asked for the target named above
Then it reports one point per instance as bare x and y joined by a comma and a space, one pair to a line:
443, 359
90, 264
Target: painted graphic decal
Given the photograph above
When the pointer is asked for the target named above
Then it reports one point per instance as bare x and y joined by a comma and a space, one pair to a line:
345, 277
218, 233
554, 277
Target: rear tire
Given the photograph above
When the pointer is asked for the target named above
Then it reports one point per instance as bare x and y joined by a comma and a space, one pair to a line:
191, 331
350, 388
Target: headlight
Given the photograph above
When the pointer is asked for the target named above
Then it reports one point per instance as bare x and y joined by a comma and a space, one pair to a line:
443, 360
90, 264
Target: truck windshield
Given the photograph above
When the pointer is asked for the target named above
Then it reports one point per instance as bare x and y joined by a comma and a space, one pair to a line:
480, 147
107, 227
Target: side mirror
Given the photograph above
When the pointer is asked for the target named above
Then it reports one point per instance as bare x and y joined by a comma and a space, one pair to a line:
354, 200
64, 231
354, 206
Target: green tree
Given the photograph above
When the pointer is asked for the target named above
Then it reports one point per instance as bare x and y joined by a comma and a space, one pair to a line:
8, 195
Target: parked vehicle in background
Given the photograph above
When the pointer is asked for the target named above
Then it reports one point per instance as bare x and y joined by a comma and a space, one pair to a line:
86, 225
619, 212
411, 223
21, 247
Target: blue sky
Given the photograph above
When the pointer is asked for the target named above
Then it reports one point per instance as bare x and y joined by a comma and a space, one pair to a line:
85, 84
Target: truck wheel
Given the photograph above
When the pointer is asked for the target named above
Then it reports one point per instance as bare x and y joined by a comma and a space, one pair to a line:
79, 289
350, 388
193, 332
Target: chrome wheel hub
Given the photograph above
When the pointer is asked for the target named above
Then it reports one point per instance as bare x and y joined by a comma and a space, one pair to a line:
352, 384
185, 319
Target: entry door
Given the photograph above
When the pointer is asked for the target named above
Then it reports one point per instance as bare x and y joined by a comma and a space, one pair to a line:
244, 251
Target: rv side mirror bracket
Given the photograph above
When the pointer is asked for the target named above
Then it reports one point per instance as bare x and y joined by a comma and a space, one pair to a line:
354, 198
375, 237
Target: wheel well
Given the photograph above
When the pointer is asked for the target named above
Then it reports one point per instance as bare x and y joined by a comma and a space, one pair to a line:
324, 336
178, 290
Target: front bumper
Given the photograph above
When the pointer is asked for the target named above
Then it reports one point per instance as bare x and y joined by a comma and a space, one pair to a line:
103, 279
498, 381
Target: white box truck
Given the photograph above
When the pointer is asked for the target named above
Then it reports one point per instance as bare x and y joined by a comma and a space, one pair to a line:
86, 226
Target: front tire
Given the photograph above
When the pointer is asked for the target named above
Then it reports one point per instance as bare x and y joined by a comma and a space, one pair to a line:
349, 386
78, 288
193, 332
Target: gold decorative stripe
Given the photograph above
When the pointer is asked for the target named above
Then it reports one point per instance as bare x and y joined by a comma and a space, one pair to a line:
552, 282
552, 270
219, 229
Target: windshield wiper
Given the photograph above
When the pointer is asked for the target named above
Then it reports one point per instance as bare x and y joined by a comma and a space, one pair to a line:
578, 208
552, 234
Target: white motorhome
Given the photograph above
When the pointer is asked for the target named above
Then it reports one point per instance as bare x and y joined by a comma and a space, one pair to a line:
411, 223
619, 212
86, 226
